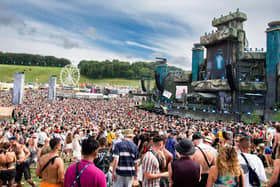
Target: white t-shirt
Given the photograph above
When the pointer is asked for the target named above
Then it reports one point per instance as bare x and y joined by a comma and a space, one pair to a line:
255, 163
42, 136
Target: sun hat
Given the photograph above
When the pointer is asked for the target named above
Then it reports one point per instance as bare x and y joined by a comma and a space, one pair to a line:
128, 133
185, 147
208, 139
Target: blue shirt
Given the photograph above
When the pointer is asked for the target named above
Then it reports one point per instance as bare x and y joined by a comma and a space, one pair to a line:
127, 154
170, 146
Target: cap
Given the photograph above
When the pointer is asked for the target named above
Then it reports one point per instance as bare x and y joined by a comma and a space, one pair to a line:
197, 136
13, 138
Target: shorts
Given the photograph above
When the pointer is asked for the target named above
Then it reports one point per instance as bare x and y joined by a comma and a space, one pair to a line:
45, 184
267, 151
21, 169
203, 181
68, 146
7, 175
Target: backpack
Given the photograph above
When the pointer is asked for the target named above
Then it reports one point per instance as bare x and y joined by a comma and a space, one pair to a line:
253, 177
103, 160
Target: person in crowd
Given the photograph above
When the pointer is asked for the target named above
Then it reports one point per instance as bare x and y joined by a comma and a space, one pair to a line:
184, 171
84, 172
169, 158
22, 166
32, 146
7, 163
208, 142
42, 136
204, 155
227, 172
51, 167
275, 178
253, 160
118, 138
68, 147
126, 158
153, 162
110, 137
76, 147
171, 142
45, 149
104, 159
276, 143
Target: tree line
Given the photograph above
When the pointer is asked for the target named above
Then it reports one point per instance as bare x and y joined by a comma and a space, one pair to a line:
32, 60
119, 69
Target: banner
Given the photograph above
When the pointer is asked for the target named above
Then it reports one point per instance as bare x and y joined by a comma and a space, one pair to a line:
181, 92
167, 94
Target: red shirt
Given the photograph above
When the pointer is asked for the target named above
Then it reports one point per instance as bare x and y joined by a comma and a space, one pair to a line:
91, 177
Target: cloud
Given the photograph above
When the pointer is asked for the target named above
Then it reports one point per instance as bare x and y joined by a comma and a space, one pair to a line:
91, 32
167, 28
144, 46
64, 41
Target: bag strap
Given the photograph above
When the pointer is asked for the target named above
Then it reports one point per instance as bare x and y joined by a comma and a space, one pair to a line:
248, 165
172, 166
204, 156
240, 181
50, 161
78, 174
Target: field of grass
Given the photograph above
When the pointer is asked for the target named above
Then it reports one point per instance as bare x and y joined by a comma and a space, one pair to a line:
41, 75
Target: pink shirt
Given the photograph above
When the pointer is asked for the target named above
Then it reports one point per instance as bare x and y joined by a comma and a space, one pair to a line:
91, 177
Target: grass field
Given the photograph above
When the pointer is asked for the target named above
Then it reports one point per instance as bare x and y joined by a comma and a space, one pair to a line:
42, 74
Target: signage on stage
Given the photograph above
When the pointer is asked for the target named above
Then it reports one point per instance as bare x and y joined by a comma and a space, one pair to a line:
181, 92
167, 94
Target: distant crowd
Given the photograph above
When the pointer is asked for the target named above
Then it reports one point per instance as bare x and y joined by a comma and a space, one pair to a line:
112, 143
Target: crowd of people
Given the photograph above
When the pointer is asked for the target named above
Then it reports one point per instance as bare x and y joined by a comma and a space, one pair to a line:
80, 142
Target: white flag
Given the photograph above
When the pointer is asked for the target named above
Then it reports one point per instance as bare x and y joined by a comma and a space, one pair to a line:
167, 94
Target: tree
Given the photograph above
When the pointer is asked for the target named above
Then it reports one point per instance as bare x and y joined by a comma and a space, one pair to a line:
276, 116
254, 118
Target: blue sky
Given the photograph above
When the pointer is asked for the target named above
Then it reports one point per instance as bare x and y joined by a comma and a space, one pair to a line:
129, 30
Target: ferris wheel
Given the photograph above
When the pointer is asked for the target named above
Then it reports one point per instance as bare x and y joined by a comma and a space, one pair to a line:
69, 75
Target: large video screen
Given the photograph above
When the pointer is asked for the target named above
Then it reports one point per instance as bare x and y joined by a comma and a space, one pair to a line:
181, 91
218, 56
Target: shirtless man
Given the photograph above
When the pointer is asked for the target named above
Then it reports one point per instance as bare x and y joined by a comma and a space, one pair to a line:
22, 166
169, 158
201, 150
7, 164
51, 167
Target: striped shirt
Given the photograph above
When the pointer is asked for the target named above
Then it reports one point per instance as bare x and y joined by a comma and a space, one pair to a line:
150, 164
127, 154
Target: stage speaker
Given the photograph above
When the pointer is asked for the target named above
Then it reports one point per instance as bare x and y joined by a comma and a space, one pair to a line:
143, 86
230, 78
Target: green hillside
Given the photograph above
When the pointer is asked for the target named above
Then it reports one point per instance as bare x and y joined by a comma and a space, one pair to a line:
41, 74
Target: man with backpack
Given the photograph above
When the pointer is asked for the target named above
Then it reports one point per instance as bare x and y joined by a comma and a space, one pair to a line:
104, 159
84, 172
204, 155
51, 167
251, 164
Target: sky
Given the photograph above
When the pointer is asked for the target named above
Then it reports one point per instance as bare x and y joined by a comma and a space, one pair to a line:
128, 30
